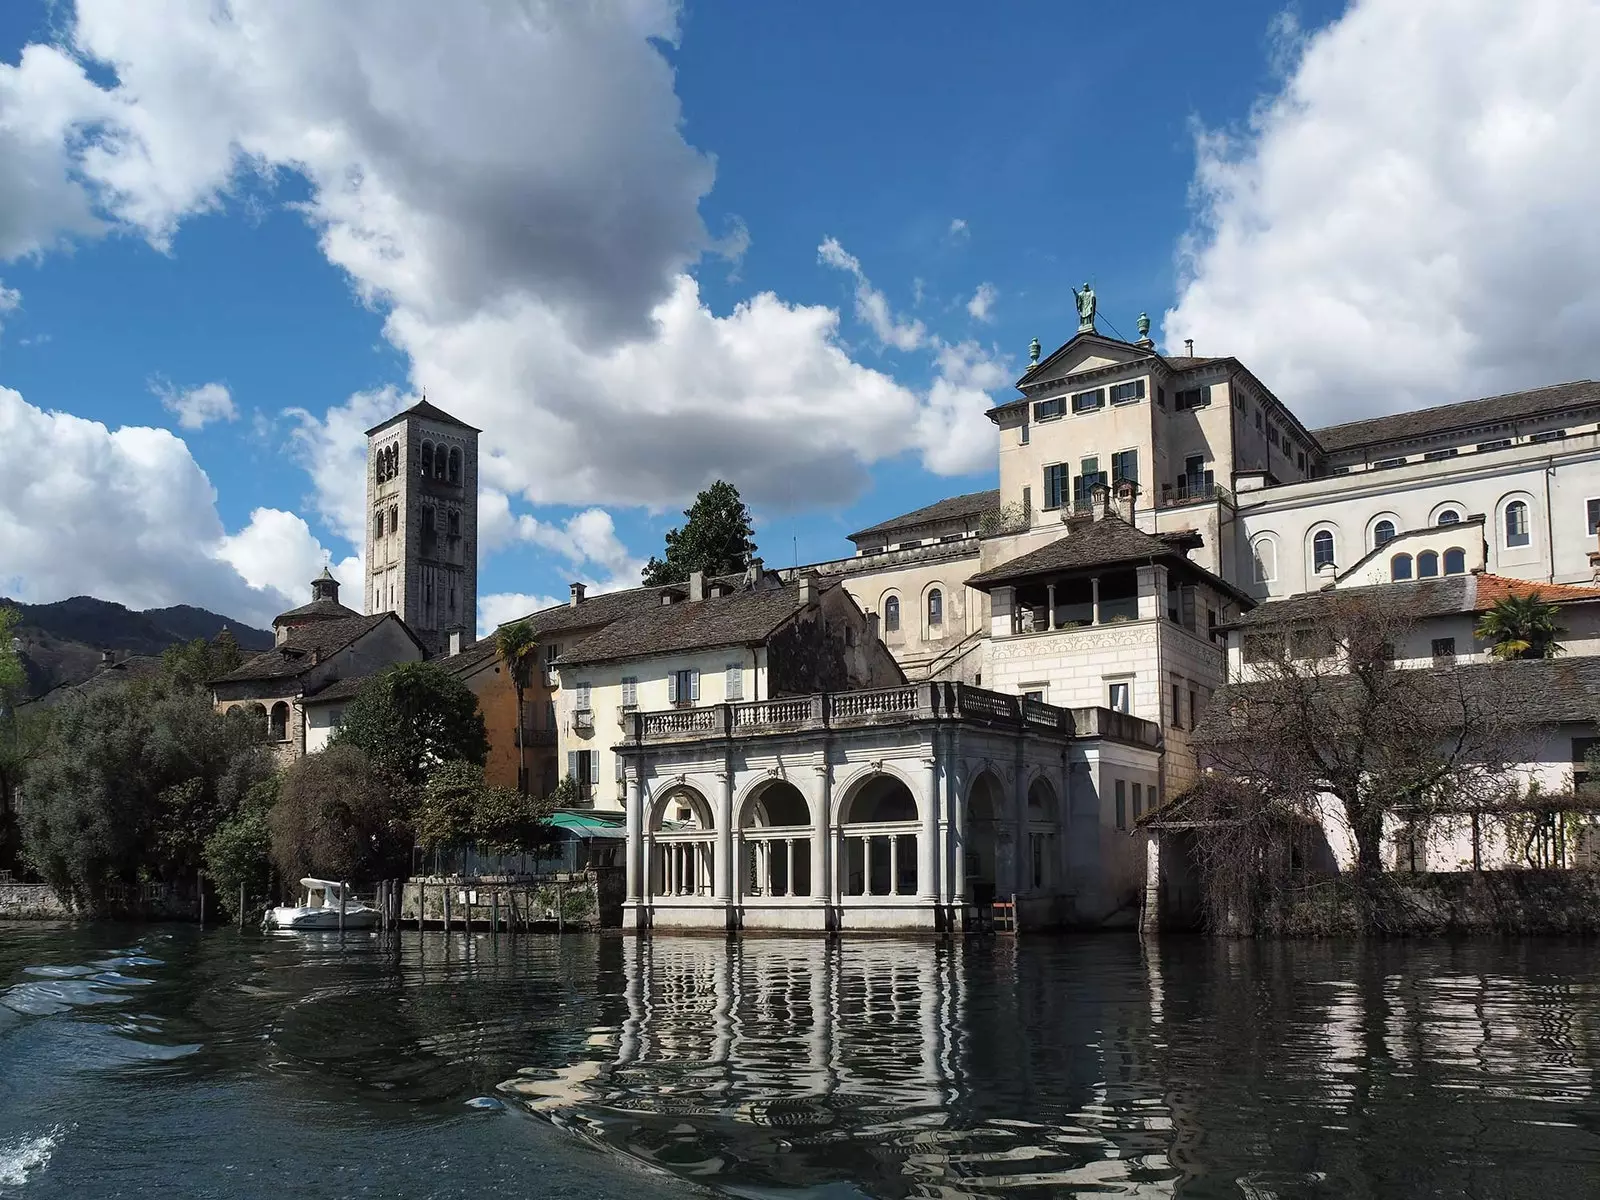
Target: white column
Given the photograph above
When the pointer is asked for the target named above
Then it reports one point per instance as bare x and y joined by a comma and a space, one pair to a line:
928, 840
788, 866
1022, 860
894, 865
636, 865
722, 882
1050, 598
824, 886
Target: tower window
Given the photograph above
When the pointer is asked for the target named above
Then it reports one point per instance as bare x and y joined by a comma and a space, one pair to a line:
377, 523
441, 459
455, 523
455, 465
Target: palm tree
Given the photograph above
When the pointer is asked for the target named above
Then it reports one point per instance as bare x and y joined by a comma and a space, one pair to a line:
1522, 627
516, 646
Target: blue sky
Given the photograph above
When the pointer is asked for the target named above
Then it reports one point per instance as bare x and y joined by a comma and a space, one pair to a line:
325, 211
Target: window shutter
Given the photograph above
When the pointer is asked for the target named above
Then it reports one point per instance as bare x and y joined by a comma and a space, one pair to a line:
594, 766
735, 682
572, 765
694, 685
618, 759
672, 687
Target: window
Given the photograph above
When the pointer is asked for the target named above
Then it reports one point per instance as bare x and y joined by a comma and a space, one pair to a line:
1177, 706
455, 465
1427, 565
1497, 444
278, 722
1272, 434
1027, 504
1448, 517
1517, 524
455, 524
1400, 567
1549, 435
1261, 422
1439, 455
1022, 433
1444, 650
1192, 398
1083, 486
583, 768
1047, 410
1594, 517
630, 691
1125, 465
580, 699
1264, 556
394, 518
1238, 400
1382, 534
1321, 549
621, 774
1161, 396
377, 524
1300, 459
733, 682
1121, 789
425, 460
441, 459
1194, 708
683, 687
1455, 561
1127, 393
1089, 401
1138, 802
891, 615
935, 608
551, 651
1121, 696
1055, 482
1385, 463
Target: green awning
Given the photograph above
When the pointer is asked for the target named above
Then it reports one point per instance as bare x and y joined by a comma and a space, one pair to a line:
590, 824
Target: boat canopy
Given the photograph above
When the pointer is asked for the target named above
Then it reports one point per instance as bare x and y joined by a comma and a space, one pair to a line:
331, 885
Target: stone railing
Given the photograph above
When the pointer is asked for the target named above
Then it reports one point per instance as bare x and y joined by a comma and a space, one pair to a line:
824, 710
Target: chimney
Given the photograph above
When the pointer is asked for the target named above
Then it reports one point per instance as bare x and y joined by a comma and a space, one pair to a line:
107, 657
1100, 499
453, 647
577, 596
753, 574
1126, 495
697, 585
316, 655
808, 591
1188, 347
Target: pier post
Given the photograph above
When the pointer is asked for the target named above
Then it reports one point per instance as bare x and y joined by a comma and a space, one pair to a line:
494, 910
241, 908
446, 888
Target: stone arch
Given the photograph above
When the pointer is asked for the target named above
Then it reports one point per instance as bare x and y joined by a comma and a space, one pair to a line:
680, 807
1447, 513
1384, 526
425, 459
773, 803
985, 808
455, 464
441, 462
877, 790
278, 722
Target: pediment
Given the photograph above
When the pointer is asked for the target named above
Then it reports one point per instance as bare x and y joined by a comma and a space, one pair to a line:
1085, 352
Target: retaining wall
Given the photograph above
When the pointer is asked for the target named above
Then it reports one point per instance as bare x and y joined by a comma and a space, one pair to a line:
1454, 902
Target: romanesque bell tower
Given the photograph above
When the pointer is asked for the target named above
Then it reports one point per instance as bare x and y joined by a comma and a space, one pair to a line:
422, 524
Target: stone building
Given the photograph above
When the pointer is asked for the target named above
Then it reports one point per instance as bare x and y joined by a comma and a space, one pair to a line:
422, 525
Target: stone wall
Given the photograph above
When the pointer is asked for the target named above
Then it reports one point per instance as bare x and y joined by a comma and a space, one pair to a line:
585, 900
1454, 902
30, 902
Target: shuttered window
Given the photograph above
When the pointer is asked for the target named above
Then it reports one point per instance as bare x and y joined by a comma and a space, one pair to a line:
630, 692
733, 684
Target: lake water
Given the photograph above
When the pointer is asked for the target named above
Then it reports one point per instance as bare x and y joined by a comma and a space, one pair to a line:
162, 1061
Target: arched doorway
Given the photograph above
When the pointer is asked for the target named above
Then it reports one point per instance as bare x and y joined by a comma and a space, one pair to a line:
979, 852
682, 846
1039, 867
878, 829
775, 842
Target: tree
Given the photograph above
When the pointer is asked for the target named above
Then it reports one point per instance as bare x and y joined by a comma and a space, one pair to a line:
190, 665
458, 807
518, 649
1326, 714
1524, 626
716, 538
412, 718
20, 735
338, 815
239, 850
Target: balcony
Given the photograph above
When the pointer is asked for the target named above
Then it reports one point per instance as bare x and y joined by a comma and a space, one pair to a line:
582, 718
535, 738
1192, 489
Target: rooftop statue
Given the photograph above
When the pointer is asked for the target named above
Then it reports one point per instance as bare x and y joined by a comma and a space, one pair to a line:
1086, 302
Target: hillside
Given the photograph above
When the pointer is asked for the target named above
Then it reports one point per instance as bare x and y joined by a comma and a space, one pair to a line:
62, 642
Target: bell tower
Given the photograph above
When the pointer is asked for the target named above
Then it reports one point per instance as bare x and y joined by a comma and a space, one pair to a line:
422, 524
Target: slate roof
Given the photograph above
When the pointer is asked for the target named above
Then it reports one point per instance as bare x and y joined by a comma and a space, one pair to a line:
968, 505
740, 619
339, 689
135, 666
318, 640
1464, 415
1090, 543
431, 412
317, 610
1437, 597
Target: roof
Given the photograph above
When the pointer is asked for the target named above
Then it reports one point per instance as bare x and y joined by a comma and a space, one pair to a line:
953, 508
305, 646
135, 666
339, 689
590, 824
1436, 597
431, 412
1088, 542
1466, 414
317, 610
742, 618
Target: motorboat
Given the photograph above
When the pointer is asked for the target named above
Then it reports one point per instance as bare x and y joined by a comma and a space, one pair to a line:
320, 900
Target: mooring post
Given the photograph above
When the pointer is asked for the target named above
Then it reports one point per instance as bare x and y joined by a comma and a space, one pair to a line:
241, 907
446, 888
561, 908
200, 883
494, 910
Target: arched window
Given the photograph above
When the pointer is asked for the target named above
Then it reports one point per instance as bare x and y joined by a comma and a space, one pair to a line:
1264, 552
891, 615
377, 524
935, 607
278, 722
1400, 566
455, 465
1382, 534
1449, 517
425, 461
1517, 524
441, 461
1427, 564
1455, 561
1322, 550
394, 461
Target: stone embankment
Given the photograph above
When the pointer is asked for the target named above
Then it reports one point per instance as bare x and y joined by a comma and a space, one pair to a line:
1455, 902
31, 902
580, 900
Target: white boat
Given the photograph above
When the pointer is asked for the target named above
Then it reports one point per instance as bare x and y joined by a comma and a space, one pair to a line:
319, 909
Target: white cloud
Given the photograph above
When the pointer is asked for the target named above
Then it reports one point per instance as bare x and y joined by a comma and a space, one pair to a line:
497, 608
196, 407
958, 229
10, 301
980, 307
128, 515
1411, 219
872, 307
953, 428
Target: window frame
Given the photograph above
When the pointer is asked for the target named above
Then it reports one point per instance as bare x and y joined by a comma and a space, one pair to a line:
933, 608
1051, 409
1317, 539
1126, 687
1444, 561
1187, 399
1063, 474
891, 614
1092, 400
1517, 539
1133, 396
1379, 541
1116, 474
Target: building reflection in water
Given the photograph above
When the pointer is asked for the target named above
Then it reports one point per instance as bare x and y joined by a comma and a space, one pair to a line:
903, 1067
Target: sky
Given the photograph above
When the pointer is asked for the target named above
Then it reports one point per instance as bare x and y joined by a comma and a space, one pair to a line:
647, 245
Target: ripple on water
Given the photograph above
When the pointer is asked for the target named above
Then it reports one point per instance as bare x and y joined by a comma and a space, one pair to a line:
24, 1157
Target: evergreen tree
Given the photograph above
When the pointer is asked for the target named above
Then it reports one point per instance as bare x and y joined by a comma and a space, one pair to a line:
716, 538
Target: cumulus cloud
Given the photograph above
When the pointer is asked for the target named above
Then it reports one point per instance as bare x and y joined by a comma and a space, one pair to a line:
981, 306
128, 515
1410, 219
496, 609
196, 407
958, 229
872, 306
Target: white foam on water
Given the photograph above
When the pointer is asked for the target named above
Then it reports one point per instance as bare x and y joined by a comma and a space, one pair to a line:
21, 1158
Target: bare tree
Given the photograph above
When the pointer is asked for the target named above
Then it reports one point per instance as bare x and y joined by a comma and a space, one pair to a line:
1329, 709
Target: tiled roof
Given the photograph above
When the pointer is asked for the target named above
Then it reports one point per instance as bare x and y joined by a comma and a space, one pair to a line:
317, 610
1494, 588
339, 689
1088, 543
1422, 598
1444, 418
969, 505
740, 619
431, 412
135, 666
304, 643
